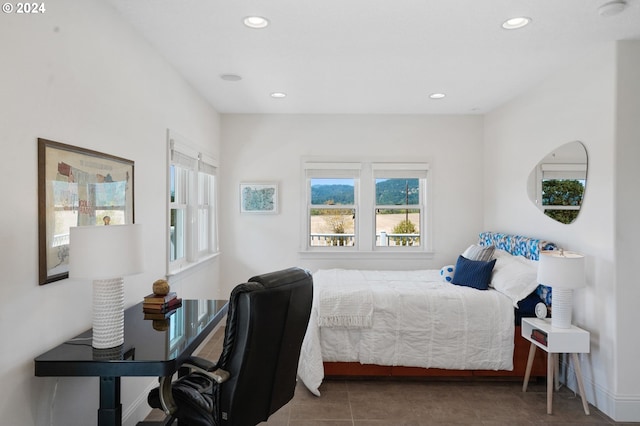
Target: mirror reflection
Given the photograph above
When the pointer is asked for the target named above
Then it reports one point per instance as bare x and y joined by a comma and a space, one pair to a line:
557, 184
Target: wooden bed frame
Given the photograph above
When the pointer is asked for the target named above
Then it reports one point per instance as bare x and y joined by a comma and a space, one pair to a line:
520, 355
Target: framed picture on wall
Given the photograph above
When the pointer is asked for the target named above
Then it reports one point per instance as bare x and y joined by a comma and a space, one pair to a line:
77, 187
259, 197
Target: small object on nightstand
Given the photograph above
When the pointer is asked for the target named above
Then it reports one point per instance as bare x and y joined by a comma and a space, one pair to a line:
541, 310
539, 336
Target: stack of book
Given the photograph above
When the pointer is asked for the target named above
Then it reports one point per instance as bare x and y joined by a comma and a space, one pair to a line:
156, 306
539, 336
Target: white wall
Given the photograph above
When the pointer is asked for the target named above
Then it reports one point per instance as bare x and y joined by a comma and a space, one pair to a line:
627, 231
78, 74
270, 148
579, 102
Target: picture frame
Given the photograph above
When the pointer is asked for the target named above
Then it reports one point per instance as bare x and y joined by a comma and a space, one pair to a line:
260, 197
77, 187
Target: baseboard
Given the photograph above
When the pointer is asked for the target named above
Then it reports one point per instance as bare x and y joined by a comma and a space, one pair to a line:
139, 408
626, 408
620, 408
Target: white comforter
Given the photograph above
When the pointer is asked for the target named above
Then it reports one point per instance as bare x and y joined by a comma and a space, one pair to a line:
416, 320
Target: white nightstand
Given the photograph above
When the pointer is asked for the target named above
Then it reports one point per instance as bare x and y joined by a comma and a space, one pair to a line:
572, 341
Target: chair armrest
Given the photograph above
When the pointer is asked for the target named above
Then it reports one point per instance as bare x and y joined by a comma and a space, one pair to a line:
197, 364
202, 363
194, 363
218, 374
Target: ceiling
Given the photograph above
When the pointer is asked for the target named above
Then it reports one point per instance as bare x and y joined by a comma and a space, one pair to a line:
372, 56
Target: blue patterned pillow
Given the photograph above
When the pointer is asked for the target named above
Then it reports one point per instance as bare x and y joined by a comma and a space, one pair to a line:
446, 273
473, 273
544, 293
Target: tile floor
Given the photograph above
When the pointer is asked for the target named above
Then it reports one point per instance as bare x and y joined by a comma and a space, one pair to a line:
424, 402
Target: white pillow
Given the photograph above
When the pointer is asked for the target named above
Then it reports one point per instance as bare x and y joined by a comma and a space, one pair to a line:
475, 252
514, 276
499, 253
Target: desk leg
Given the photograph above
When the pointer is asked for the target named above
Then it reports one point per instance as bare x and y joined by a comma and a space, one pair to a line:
550, 371
527, 373
110, 410
576, 366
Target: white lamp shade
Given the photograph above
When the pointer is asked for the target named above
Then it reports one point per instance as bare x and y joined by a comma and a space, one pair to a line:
104, 252
561, 269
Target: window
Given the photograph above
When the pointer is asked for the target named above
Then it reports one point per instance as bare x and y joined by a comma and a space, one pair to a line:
192, 215
178, 211
365, 206
331, 204
400, 190
332, 212
207, 236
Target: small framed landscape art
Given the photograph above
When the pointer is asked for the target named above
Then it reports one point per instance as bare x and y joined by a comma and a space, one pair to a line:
77, 187
259, 197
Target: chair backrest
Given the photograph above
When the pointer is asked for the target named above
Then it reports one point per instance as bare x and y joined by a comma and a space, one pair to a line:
266, 323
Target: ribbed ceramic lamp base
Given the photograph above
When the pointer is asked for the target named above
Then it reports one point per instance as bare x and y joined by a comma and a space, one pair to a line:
562, 304
108, 313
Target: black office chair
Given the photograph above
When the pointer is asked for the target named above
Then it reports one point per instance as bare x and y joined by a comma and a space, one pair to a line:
256, 373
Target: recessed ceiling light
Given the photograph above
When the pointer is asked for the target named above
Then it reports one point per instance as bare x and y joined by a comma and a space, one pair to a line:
515, 23
278, 95
230, 77
612, 8
437, 95
256, 22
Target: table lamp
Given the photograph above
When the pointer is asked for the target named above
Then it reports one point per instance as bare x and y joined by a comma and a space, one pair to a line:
563, 271
105, 254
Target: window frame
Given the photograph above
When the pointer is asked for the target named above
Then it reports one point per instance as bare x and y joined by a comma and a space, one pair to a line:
333, 170
403, 170
365, 204
200, 239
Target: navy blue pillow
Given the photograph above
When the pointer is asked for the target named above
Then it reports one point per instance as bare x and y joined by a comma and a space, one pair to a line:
473, 273
527, 306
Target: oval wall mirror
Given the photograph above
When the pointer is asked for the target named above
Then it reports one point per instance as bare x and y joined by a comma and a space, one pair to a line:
557, 184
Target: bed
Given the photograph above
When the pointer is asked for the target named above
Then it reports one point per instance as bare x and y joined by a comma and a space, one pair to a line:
418, 323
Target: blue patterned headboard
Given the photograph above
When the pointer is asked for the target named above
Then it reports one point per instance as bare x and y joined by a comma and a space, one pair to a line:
516, 244
520, 246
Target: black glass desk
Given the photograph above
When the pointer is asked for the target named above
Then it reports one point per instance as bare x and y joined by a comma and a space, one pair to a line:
151, 348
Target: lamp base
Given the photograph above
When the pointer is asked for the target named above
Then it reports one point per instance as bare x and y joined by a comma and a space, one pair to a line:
562, 304
108, 354
108, 313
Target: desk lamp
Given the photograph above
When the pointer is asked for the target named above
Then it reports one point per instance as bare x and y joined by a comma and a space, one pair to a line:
105, 254
563, 271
